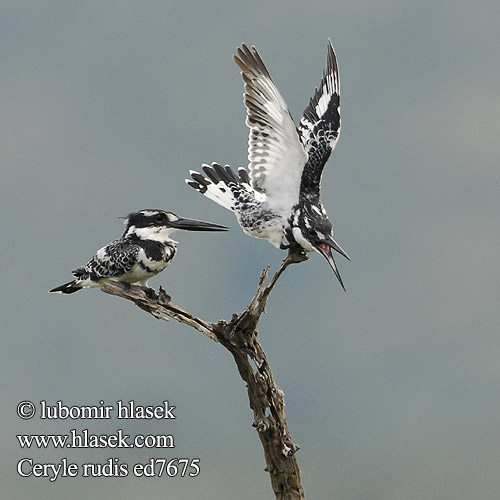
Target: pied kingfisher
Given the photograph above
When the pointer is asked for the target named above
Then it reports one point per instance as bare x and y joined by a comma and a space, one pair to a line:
278, 199
144, 250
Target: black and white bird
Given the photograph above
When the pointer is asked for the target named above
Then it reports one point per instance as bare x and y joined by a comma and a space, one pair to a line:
278, 197
144, 250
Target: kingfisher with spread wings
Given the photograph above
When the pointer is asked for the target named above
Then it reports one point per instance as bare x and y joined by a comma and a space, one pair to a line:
278, 197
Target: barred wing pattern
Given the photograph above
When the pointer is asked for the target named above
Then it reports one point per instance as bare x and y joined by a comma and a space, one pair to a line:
115, 259
275, 152
319, 127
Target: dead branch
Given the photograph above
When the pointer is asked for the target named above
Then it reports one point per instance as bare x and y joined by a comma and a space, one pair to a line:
239, 337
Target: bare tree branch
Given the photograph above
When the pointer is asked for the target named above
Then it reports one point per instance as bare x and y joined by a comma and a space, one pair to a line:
239, 337
159, 305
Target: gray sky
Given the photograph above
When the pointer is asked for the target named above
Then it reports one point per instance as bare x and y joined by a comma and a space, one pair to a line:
392, 389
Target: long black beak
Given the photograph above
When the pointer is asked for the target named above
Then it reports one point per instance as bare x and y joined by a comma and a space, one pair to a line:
325, 248
196, 225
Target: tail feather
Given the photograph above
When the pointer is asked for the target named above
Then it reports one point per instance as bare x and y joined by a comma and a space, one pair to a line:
226, 174
210, 172
243, 175
236, 192
216, 186
67, 288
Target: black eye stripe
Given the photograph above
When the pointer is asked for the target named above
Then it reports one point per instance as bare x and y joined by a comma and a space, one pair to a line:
145, 219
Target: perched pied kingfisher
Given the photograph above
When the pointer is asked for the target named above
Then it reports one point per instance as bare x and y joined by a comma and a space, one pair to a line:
278, 199
144, 250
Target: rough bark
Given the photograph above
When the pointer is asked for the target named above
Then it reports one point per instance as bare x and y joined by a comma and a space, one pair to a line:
239, 337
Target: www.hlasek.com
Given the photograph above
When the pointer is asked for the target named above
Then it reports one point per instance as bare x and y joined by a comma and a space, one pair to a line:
155, 467
85, 439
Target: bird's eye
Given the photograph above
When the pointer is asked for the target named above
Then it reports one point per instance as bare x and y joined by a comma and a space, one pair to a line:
157, 218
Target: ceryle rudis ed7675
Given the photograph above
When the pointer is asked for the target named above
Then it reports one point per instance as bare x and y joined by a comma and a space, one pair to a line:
144, 250
278, 198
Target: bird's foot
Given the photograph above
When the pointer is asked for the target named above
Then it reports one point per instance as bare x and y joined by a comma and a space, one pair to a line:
163, 296
296, 255
150, 293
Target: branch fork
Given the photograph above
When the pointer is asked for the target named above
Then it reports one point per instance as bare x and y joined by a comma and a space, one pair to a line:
239, 337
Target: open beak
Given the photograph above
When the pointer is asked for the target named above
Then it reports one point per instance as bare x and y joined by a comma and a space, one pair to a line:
325, 248
196, 225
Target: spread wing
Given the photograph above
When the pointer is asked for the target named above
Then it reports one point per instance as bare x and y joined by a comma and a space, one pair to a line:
319, 127
276, 154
